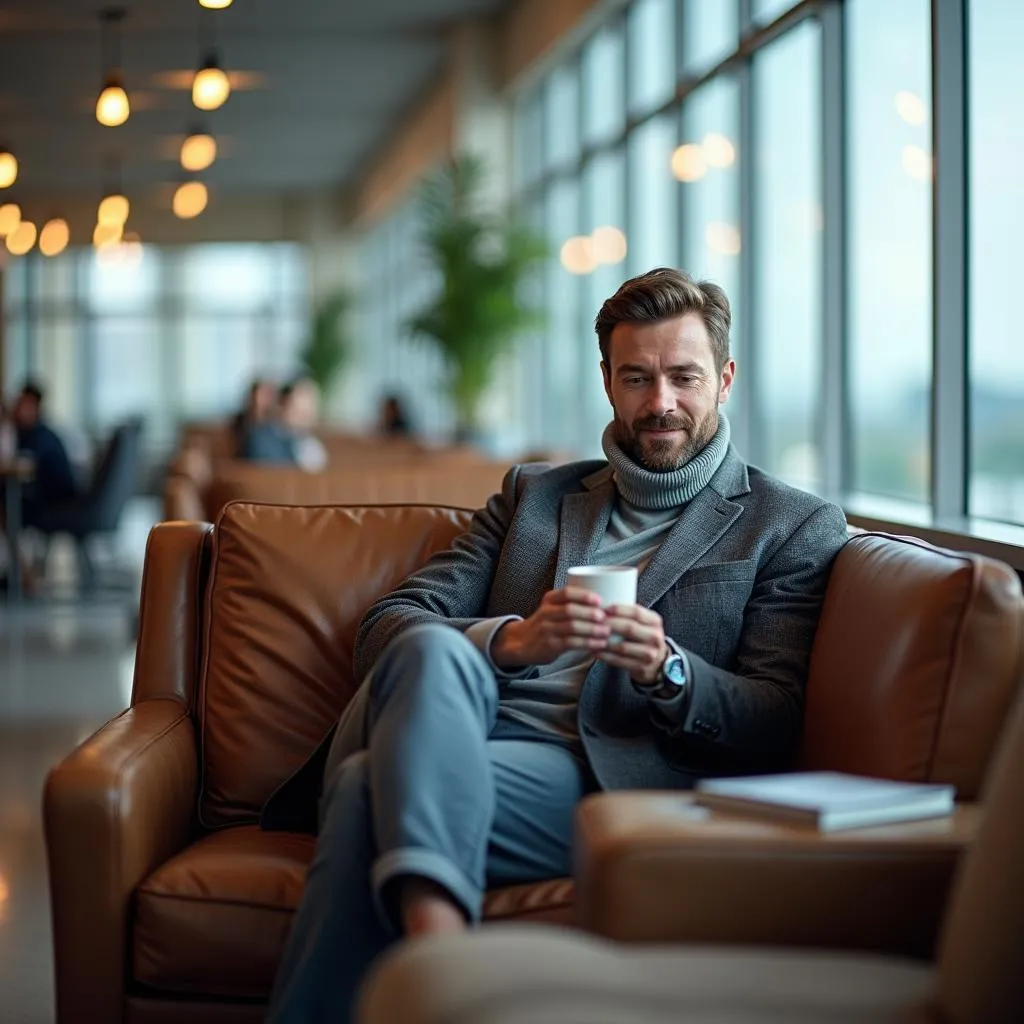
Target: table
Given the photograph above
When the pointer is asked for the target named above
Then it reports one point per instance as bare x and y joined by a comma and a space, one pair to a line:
13, 474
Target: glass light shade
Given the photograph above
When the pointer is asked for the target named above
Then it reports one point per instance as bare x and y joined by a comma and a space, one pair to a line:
210, 88
577, 255
107, 234
8, 169
114, 209
22, 238
54, 237
112, 107
689, 162
215, 5
198, 152
10, 218
190, 200
608, 245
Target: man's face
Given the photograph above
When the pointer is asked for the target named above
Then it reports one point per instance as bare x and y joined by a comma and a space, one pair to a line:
665, 390
25, 412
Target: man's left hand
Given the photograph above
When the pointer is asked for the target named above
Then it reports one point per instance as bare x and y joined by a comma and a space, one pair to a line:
640, 646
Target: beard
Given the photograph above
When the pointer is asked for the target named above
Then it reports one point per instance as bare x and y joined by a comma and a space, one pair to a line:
662, 454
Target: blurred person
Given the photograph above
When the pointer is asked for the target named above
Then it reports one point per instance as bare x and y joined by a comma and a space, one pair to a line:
496, 696
53, 479
25, 434
287, 436
259, 406
393, 420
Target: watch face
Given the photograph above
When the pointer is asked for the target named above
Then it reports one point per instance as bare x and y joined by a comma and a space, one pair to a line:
675, 670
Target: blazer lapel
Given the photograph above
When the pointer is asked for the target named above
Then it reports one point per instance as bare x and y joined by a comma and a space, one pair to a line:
701, 523
699, 526
583, 522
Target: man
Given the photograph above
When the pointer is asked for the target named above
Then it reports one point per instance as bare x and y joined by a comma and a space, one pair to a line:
288, 438
53, 479
498, 697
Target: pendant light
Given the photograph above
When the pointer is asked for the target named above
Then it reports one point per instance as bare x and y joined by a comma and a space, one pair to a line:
112, 107
54, 237
8, 168
190, 200
210, 86
10, 218
198, 151
22, 238
215, 5
114, 206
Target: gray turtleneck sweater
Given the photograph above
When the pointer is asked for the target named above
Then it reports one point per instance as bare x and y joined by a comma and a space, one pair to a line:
646, 507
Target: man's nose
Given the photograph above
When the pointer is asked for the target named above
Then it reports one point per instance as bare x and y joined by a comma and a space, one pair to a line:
663, 398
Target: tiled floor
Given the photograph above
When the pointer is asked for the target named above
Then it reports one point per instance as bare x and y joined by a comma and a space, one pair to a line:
64, 670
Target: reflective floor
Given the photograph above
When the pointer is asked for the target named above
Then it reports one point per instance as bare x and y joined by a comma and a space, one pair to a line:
64, 670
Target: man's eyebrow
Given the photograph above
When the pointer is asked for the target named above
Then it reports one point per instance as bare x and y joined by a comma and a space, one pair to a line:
691, 367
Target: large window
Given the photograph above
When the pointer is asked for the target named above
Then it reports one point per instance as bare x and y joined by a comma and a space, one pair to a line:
653, 210
996, 152
787, 254
166, 333
652, 56
890, 252
795, 166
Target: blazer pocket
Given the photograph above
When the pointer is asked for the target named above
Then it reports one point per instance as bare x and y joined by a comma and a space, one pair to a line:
720, 572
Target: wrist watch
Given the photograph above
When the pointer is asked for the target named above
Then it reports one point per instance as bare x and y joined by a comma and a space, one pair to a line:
671, 679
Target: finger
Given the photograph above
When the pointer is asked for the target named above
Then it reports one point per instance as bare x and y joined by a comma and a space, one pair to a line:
575, 627
638, 655
634, 612
586, 643
628, 629
577, 595
576, 613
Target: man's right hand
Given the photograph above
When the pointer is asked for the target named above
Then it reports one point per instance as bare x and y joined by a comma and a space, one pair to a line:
570, 619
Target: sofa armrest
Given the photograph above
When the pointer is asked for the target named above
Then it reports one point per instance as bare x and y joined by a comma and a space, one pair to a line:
117, 807
654, 867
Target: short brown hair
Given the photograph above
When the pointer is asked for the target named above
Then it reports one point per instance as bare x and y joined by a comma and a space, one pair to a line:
664, 294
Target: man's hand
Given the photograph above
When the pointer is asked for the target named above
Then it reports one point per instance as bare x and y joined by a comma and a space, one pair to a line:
570, 619
639, 646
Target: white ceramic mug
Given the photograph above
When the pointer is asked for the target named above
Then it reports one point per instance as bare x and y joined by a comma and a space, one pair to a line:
614, 584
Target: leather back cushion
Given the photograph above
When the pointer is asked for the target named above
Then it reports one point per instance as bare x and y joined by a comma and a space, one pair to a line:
451, 480
288, 587
915, 663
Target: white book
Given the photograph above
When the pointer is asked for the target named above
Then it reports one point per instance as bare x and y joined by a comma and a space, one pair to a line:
826, 800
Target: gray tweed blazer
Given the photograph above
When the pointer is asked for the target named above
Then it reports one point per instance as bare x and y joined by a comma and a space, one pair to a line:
739, 583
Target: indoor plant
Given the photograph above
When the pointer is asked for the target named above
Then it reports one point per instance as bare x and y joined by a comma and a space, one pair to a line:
328, 348
482, 258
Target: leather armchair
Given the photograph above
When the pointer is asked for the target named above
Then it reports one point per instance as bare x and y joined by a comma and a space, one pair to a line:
521, 975
170, 903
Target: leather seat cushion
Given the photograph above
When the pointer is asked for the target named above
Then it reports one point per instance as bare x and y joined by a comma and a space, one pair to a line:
214, 919
525, 975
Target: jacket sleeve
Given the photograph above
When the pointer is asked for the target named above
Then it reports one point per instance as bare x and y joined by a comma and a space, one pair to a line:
453, 587
753, 715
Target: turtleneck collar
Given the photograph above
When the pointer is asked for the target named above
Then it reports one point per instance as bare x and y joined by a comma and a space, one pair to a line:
650, 490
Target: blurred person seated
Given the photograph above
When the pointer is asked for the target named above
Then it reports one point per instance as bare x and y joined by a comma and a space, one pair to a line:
258, 408
287, 437
53, 480
393, 420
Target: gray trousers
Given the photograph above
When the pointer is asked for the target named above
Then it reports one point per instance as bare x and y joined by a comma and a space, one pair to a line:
419, 783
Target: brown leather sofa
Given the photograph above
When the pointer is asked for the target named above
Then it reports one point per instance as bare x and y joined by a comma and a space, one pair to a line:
459, 479
169, 903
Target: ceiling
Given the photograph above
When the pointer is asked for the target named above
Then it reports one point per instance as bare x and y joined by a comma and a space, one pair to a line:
320, 85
